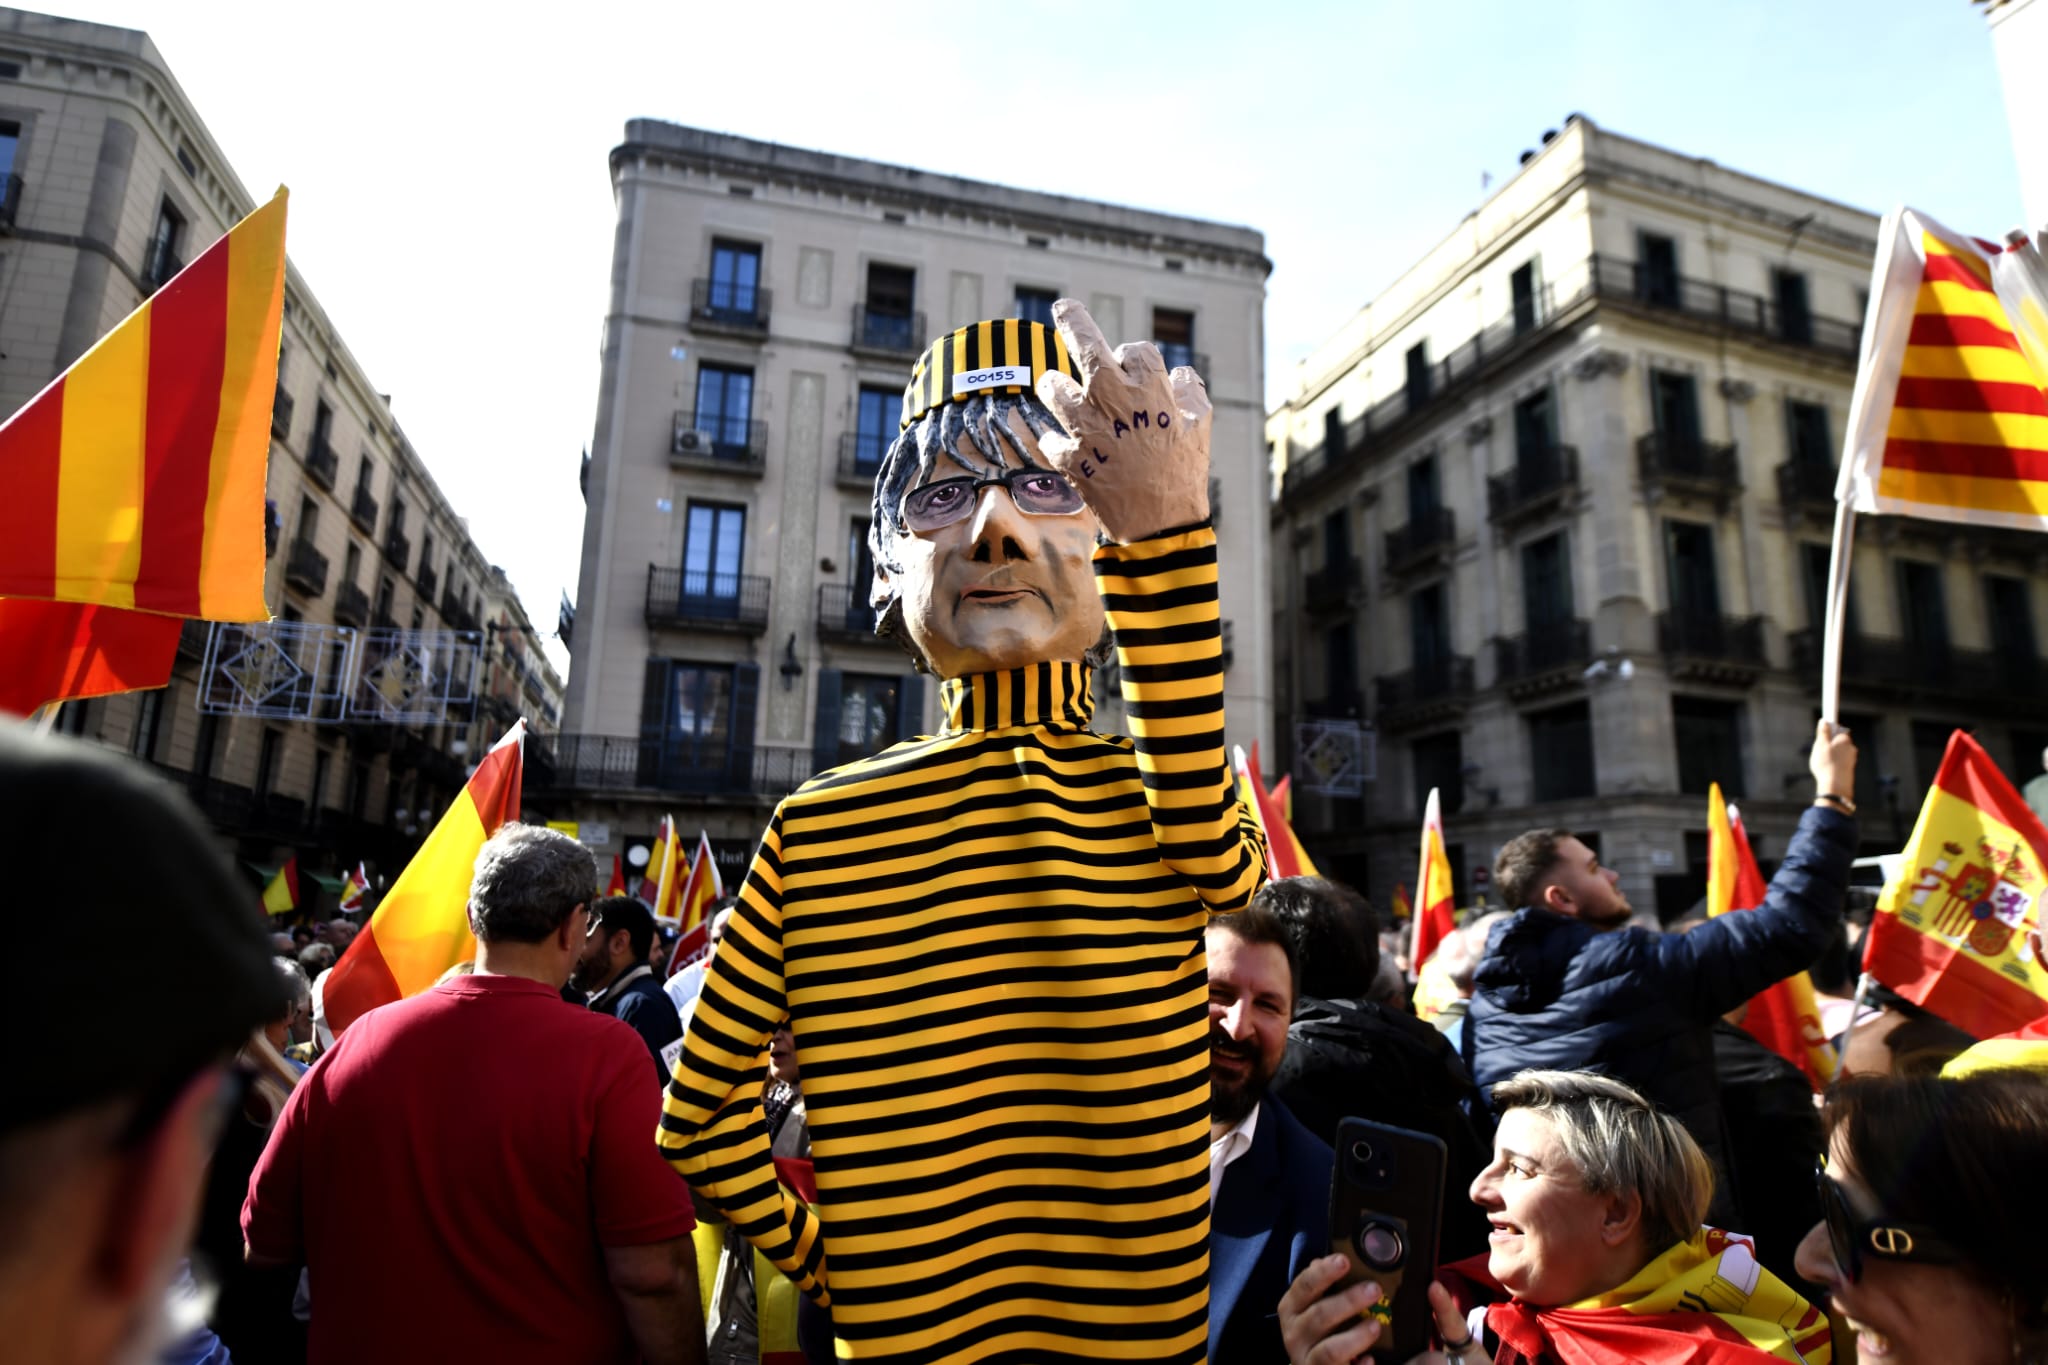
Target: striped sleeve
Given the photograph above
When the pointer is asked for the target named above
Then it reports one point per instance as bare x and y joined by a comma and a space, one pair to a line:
1160, 596
713, 1130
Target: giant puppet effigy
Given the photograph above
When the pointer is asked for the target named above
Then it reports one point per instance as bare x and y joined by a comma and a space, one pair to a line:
988, 942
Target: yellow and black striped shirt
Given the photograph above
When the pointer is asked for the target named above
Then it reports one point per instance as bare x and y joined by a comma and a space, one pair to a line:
989, 943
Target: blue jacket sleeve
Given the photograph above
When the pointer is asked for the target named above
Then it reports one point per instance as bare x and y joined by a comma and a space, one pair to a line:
1731, 957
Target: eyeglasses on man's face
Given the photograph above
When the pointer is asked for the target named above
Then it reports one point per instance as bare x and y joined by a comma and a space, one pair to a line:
1036, 492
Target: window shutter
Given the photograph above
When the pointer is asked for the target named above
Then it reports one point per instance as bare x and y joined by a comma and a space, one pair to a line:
653, 713
910, 706
825, 735
739, 736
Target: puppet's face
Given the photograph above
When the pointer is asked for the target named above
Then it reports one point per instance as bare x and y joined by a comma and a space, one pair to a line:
1000, 587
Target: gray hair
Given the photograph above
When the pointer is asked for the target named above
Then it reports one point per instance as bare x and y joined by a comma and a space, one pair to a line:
982, 419
1620, 1142
296, 983
528, 880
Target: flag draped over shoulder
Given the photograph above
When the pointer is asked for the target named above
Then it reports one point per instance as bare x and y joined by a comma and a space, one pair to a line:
702, 888
1950, 931
1784, 1017
281, 893
1284, 852
1949, 418
421, 927
1436, 916
134, 481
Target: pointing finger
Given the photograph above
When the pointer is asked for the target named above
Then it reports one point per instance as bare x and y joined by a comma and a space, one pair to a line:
1085, 342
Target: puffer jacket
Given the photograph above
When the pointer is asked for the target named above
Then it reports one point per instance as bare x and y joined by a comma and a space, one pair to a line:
1552, 992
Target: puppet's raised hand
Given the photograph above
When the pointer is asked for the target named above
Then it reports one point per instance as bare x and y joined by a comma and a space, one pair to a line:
1137, 438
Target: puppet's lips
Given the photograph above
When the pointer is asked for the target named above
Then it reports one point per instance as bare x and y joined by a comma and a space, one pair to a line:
995, 597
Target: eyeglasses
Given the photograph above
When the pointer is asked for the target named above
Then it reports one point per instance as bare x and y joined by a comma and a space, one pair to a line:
1850, 1237
1039, 492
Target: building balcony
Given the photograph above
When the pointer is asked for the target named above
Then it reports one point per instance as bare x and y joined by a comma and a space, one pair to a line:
10, 201
428, 579
1177, 354
860, 456
1331, 588
1543, 660
321, 463
730, 308
1716, 649
1723, 310
1907, 671
453, 613
887, 335
1544, 480
228, 805
563, 765
1425, 542
351, 606
712, 440
280, 413
362, 510
397, 548
844, 614
1340, 704
1425, 696
1807, 487
695, 600
1688, 466
305, 570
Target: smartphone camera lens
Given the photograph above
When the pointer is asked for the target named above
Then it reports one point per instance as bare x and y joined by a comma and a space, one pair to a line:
1361, 1152
1382, 1246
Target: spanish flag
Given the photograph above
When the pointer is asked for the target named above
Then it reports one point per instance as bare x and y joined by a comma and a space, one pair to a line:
1950, 933
1785, 1017
421, 927
662, 882
702, 888
1284, 852
134, 481
281, 893
352, 888
617, 885
1436, 916
1402, 909
1949, 418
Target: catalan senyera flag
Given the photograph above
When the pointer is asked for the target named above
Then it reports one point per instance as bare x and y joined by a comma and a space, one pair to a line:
1950, 933
702, 888
134, 481
1436, 915
1949, 418
1285, 856
1784, 1017
665, 872
281, 892
353, 888
421, 927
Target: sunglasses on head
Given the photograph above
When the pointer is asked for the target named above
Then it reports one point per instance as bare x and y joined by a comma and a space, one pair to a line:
1852, 1238
1038, 492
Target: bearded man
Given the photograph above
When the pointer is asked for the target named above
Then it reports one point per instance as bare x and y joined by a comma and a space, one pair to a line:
989, 942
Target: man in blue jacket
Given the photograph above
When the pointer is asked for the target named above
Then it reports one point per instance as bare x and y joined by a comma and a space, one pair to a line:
1566, 984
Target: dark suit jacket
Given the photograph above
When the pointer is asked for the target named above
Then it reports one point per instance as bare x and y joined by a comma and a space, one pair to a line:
1272, 1218
642, 1003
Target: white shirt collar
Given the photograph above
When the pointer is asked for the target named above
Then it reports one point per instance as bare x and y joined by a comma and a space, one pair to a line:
1228, 1148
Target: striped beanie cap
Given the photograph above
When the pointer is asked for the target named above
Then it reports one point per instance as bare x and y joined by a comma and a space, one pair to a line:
1002, 356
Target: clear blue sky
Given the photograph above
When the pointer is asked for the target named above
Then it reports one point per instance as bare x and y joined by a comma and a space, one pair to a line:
451, 207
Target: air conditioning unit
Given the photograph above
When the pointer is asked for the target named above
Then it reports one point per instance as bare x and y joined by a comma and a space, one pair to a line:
693, 441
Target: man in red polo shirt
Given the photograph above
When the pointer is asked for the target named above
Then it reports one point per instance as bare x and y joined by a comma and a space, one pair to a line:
468, 1173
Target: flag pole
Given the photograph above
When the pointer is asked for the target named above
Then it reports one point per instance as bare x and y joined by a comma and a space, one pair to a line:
1838, 611
1863, 985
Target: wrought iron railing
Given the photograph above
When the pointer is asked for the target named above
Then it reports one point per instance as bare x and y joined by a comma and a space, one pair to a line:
1700, 635
844, 613
887, 331
1427, 535
362, 509
1566, 645
1330, 587
696, 597
720, 438
860, 455
351, 606
1541, 476
729, 305
305, 569
1669, 457
563, 763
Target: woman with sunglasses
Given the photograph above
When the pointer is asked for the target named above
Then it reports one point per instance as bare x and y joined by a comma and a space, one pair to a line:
1930, 1243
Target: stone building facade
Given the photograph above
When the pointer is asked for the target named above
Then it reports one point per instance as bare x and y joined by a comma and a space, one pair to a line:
1552, 517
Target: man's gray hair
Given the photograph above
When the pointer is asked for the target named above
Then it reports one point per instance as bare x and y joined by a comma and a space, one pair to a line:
528, 880
1621, 1142
295, 980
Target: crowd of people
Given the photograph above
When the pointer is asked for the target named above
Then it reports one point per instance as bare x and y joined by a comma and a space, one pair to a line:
1008, 1049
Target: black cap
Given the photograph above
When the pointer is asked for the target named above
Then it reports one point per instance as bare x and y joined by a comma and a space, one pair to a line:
98, 847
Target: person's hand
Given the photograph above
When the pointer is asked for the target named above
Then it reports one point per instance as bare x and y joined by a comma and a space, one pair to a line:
1136, 443
1327, 1331
1833, 761
1450, 1327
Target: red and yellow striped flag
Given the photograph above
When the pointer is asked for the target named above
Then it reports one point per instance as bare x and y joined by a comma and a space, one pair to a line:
1436, 914
1949, 419
134, 481
1285, 855
1950, 932
421, 927
281, 893
702, 888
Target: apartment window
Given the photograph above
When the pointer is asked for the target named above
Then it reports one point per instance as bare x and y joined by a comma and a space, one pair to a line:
1675, 409
161, 258
1546, 586
1440, 763
1535, 427
323, 427
1813, 562
1695, 580
358, 789
1657, 270
867, 714
266, 763
1807, 435
426, 554
385, 590
1035, 305
1523, 285
725, 408
1561, 752
1173, 332
2010, 617
351, 563
888, 318
1709, 739
10, 145
1930, 742
1795, 318
1336, 540
1333, 432
1922, 608
697, 724
309, 520
322, 758
1418, 375
149, 715
1340, 667
714, 548
875, 423
735, 281
1425, 491
1429, 638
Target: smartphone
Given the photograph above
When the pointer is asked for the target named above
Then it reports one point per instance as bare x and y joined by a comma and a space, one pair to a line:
1386, 1205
